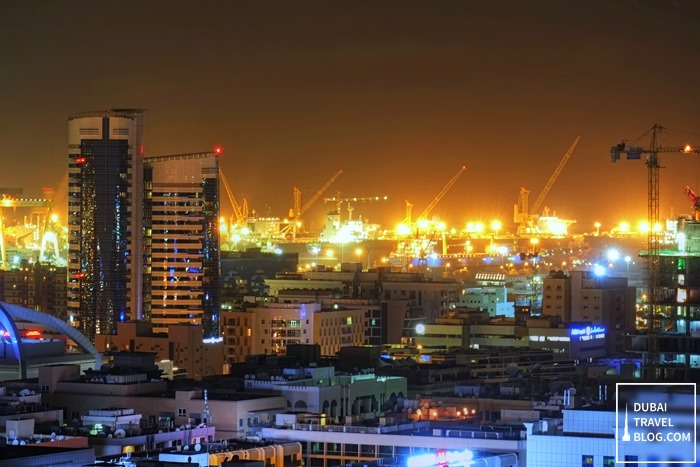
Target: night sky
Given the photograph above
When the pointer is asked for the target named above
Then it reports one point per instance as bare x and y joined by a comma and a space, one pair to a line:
397, 94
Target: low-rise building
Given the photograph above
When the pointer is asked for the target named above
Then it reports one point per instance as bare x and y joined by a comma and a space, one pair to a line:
269, 330
409, 444
144, 392
183, 344
336, 395
573, 341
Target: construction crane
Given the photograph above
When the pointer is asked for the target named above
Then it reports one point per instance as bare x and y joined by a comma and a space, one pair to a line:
349, 202
526, 217
298, 210
654, 295
426, 212
239, 213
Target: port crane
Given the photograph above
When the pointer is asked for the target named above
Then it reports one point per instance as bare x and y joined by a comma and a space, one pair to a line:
298, 210
526, 216
426, 212
654, 296
423, 243
241, 214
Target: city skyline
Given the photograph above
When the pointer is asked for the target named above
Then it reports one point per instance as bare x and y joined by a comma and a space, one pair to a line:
397, 95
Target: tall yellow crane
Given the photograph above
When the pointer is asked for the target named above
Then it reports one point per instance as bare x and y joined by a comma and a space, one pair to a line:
655, 295
426, 212
298, 210
526, 216
240, 215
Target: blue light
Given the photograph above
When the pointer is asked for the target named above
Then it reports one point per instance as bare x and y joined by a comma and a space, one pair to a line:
599, 270
441, 457
587, 331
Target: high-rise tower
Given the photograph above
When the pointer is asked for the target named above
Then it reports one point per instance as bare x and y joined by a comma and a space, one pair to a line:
181, 209
105, 219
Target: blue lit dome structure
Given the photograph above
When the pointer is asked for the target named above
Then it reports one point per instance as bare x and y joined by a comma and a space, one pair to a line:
19, 353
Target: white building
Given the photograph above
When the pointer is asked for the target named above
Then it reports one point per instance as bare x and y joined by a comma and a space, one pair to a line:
414, 444
490, 295
587, 437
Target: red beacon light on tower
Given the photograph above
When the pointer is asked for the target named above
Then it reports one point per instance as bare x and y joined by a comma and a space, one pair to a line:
218, 150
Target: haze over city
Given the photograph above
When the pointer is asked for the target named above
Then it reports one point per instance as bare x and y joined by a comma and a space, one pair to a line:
396, 94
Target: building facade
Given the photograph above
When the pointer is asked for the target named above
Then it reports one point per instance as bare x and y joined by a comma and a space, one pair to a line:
38, 286
181, 208
668, 334
105, 193
586, 297
278, 325
183, 345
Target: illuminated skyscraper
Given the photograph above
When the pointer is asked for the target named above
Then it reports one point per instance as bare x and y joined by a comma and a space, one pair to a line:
105, 219
181, 209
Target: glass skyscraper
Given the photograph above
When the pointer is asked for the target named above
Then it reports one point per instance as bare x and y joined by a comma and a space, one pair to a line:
105, 219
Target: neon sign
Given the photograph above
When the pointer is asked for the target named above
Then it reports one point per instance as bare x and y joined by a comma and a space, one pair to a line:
441, 458
587, 331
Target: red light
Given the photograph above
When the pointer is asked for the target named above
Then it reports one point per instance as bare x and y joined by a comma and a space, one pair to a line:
79, 160
33, 333
80, 275
218, 150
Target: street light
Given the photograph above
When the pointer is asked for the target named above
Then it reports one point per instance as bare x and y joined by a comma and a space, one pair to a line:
358, 252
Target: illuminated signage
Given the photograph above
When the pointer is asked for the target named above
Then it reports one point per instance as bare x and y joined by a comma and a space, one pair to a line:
441, 458
587, 331
425, 358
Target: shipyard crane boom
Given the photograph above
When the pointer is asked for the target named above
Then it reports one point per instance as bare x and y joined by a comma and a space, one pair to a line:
526, 216
550, 183
240, 217
299, 210
426, 212
653, 270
